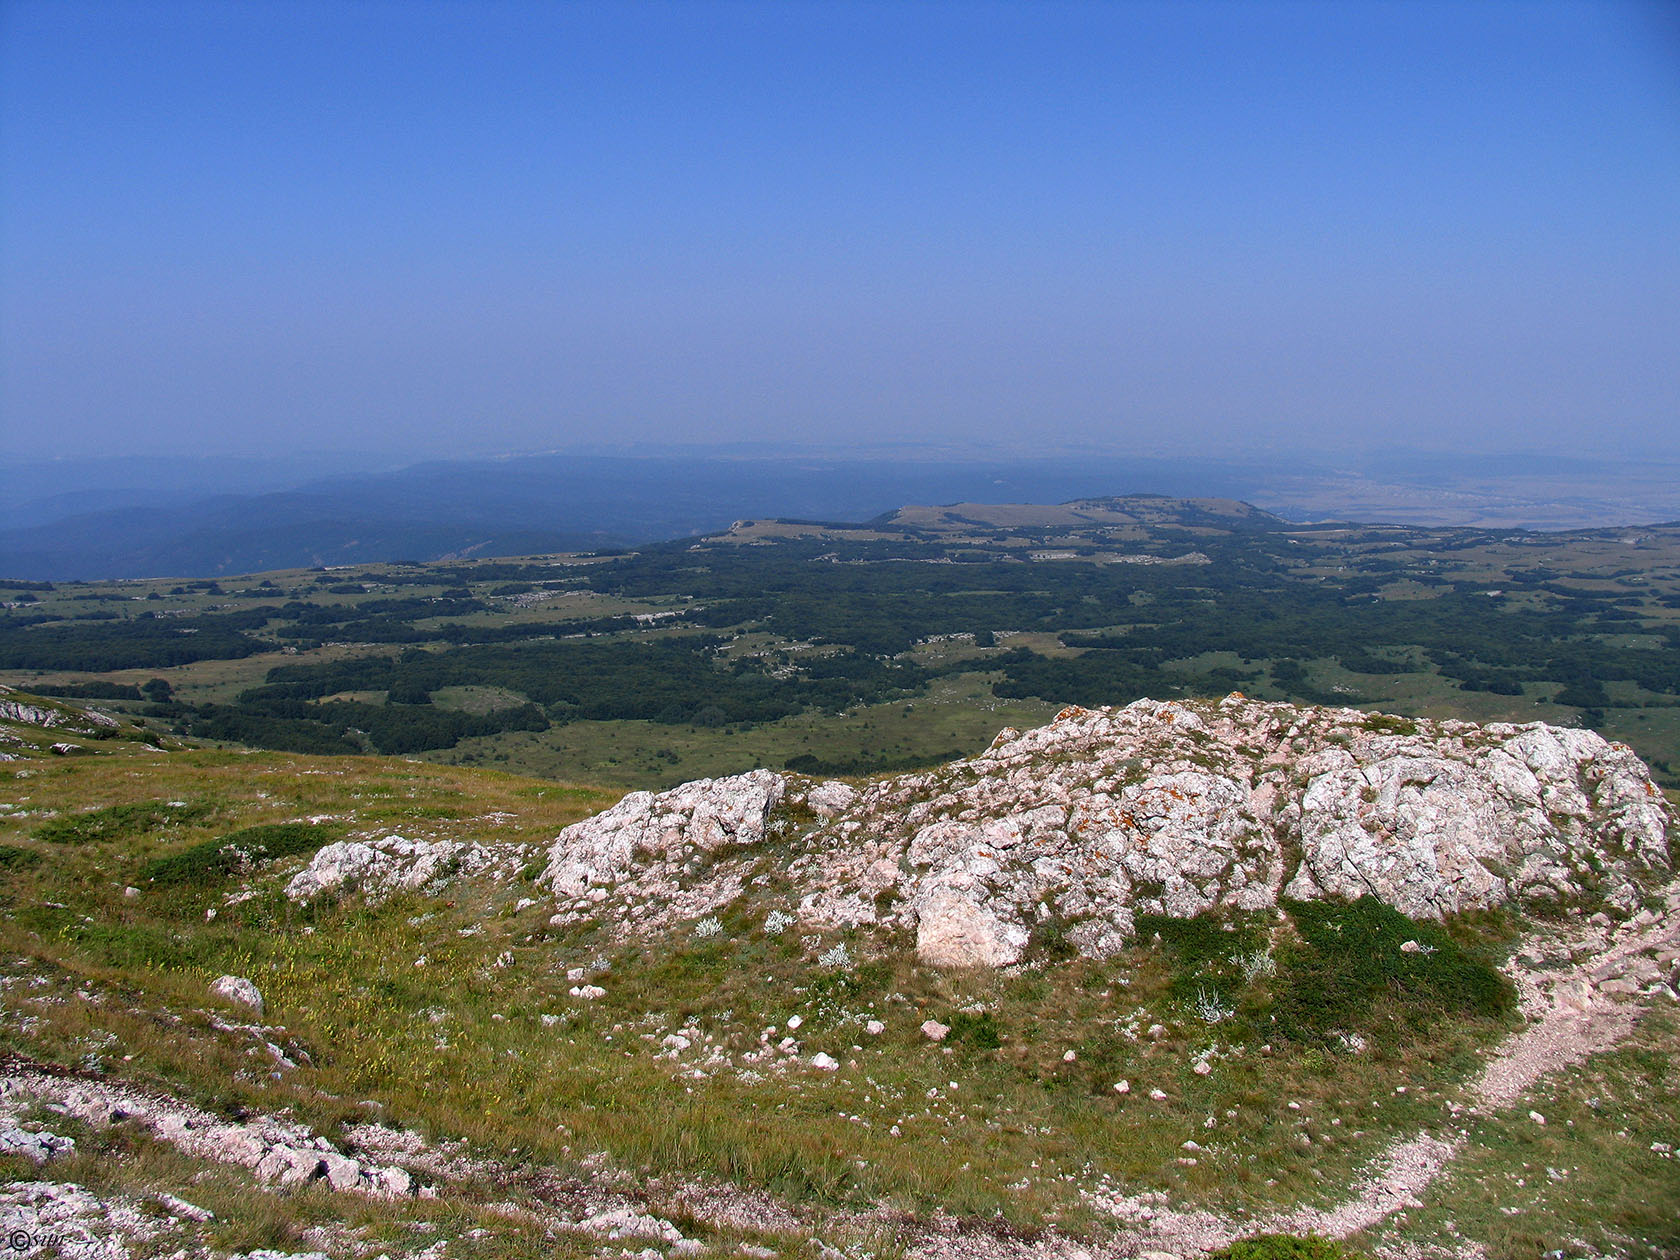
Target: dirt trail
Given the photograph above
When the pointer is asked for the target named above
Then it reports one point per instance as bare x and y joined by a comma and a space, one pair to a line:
1575, 1012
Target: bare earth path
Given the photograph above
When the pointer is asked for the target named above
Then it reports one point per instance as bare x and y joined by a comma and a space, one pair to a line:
1575, 1012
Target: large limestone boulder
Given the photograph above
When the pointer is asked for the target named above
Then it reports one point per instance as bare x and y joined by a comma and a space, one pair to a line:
703, 816
1537, 813
959, 928
1154, 808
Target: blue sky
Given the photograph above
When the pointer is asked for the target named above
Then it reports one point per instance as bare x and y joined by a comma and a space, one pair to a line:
1190, 227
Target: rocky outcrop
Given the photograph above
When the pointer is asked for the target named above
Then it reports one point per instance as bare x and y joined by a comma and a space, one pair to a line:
39, 1147
644, 844
64, 1219
379, 867
46, 716
276, 1151
1155, 808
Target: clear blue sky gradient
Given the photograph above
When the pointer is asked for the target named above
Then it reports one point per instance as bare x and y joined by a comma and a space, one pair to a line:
433, 228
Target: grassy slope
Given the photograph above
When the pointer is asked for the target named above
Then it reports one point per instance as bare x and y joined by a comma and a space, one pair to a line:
459, 1046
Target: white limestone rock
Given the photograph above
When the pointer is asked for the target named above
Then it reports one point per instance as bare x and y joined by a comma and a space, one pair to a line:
955, 928
630, 1222
642, 847
831, 798
26, 714
239, 990
706, 815
1154, 808
380, 867
38, 1147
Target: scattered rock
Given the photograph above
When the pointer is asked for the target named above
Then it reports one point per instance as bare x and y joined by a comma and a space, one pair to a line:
26, 714
277, 1152
39, 1147
933, 1030
284, 1165
61, 1218
239, 990
180, 1207
628, 1222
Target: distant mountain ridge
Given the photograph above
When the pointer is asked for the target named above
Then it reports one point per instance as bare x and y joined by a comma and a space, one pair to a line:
531, 505
67, 522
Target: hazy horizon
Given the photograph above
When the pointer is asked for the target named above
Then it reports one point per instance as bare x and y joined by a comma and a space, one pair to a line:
440, 229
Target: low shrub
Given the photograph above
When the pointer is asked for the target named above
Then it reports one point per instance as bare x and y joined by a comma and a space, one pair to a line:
120, 822
1208, 954
13, 858
214, 860
1351, 968
978, 1030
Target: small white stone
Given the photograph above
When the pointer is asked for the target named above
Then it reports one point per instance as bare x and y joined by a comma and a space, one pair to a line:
240, 990
933, 1030
794, 1022
874, 1028
1122, 1087
824, 1063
